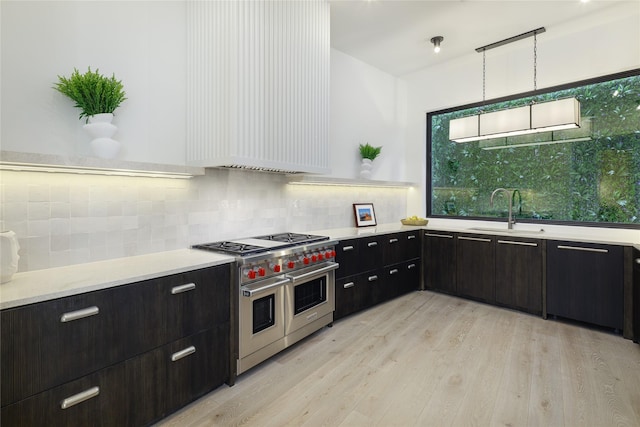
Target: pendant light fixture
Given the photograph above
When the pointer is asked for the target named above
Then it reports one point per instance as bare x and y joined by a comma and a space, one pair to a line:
533, 118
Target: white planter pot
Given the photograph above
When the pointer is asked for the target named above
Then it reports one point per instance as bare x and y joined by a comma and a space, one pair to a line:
365, 168
8, 255
101, 130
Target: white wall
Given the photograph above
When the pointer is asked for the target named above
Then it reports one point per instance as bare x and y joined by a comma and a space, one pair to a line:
367, 105
143, 43
602, 43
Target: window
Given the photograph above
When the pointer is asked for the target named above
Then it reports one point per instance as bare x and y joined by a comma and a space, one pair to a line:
589, 175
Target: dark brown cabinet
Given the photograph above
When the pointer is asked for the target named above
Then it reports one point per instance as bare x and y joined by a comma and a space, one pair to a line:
585, 282
476, 266
439, 269
519, 270
113, 351
403, 277
636, 295
375, 269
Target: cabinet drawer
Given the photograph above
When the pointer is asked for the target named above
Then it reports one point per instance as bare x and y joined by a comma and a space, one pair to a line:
50, 343
347, 257
123, 394
196, 301
195, 366
402, 278
400, 247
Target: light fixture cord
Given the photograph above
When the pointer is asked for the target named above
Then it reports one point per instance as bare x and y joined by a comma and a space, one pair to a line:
484, 72
535, 62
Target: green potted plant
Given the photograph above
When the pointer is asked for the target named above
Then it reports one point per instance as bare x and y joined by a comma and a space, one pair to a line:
92, 92
368, 154
97, 97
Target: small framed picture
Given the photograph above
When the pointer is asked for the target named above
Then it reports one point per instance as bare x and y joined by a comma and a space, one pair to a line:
365, 216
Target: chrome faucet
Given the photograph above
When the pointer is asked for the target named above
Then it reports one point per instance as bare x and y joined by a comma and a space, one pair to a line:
511, 194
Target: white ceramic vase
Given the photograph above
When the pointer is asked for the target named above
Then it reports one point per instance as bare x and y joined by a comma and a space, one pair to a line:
8, 255
101, 130
365, 168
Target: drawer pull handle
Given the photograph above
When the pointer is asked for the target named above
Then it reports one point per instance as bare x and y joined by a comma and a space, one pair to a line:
579, 248
410, 266
393, 240
411, 236
372, 244
348, 285
347, 248
80, 397
373, 278
182, 353
183, 288
446, 236
475, 239
394, 271
79, 314
512, 242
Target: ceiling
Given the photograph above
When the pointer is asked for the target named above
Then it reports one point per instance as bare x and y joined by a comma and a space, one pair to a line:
394, 35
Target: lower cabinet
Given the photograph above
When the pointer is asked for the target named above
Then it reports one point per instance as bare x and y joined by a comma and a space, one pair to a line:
360, 291
519, 271
500, 270
439, 262
126, 356
585, 282
636, 295
361, 284
476, 267
136, 392
403, 278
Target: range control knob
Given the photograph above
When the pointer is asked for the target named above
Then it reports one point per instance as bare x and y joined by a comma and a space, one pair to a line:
291, 264
328, 254
306, 260
276, 268
320, 256
251, 274
262, 271
314, 258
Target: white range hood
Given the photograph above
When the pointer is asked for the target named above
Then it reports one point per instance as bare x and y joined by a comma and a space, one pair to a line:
258, 85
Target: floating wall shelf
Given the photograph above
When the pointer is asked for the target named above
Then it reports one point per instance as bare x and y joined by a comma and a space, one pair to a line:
34, 162
346, 182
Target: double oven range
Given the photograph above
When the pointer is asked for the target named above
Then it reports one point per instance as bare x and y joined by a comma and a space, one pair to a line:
285, 290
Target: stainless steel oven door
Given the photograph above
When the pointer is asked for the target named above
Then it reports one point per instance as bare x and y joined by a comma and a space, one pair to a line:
310, 295
261, 314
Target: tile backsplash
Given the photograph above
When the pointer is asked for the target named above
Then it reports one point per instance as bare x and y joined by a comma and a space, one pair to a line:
62, 219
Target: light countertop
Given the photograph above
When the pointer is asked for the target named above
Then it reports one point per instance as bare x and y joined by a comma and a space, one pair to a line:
42, 285
577, 234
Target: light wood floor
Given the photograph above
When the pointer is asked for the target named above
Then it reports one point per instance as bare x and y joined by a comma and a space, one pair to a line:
427, 359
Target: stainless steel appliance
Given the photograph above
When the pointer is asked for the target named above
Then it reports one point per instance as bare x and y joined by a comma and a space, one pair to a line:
285, 288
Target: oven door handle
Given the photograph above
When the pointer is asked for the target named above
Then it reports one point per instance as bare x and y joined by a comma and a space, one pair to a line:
318, 272
248, 292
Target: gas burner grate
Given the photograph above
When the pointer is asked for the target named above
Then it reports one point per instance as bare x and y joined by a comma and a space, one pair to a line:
293, 238
232, 248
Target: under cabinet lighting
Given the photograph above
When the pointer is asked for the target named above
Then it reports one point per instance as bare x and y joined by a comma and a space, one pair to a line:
25, 167
39, 162
345, 182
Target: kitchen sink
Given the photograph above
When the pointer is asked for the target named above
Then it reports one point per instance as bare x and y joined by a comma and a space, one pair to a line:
505, 230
